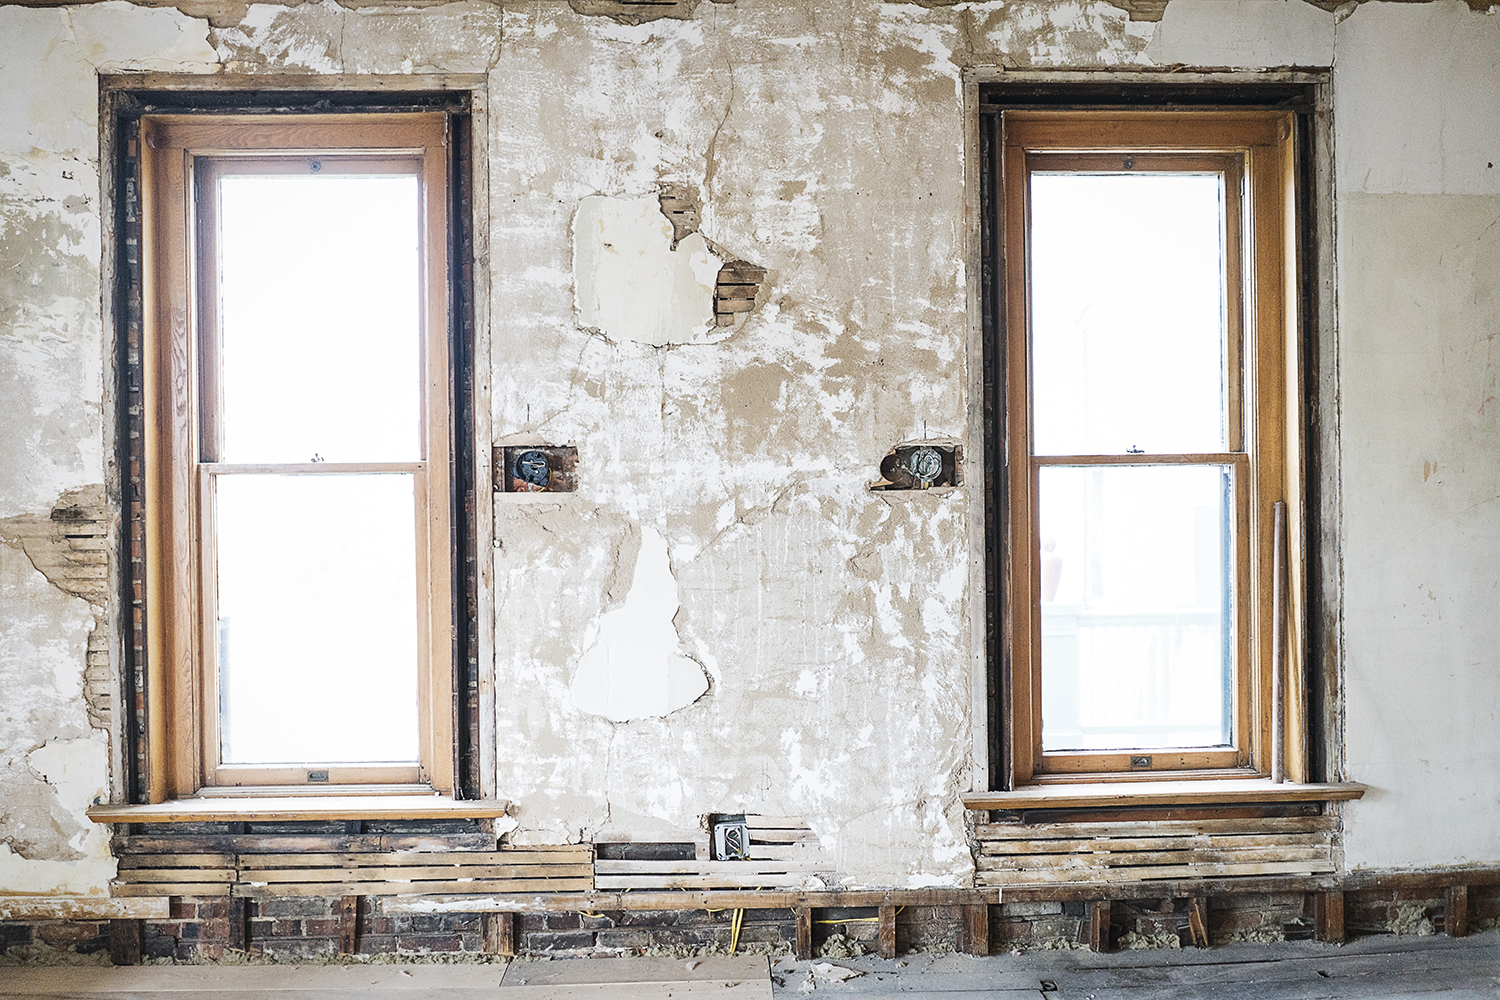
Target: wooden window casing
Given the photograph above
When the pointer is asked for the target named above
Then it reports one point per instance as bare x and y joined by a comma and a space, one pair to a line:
1253, 151
179, 152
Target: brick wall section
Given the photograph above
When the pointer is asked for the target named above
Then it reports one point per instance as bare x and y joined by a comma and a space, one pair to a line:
198, 929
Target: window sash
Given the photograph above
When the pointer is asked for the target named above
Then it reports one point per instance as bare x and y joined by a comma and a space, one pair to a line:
178, 373
1253, 149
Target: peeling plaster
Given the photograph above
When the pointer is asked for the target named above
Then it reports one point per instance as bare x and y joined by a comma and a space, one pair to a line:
831, 624
52, 763
632, 283
635, 667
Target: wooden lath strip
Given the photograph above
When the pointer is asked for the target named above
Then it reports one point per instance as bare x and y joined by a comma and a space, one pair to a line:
173, 888
1146, 874
689, 881
398, 873
1106, 861
1191, 842
269, 843
252, 890
735, 868
428, 858
1154, 828
176, 875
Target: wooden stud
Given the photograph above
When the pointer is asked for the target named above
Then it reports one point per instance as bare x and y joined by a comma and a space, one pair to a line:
499, 933
239, 923
348, 925
1456, 911
976, 937
1198, 922
887, 932
1099, 925
125, 941
1328, 915
804, 932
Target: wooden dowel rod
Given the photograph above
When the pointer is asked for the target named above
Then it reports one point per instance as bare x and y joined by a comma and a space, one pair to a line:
1278, 645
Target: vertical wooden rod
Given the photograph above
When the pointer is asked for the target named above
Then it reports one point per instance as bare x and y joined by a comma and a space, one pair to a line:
1278, 645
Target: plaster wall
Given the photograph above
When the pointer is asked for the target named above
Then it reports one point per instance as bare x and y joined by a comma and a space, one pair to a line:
829, 625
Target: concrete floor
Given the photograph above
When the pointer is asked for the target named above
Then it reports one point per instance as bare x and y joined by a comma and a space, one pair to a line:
1431, 968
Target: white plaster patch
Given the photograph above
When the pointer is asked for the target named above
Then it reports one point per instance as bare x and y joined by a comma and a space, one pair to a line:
49, 58
76, 771
1246, 33
629, 282
636, 668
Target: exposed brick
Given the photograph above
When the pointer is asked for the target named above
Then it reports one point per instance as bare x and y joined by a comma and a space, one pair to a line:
560, 941
15, 935
1030, 909
297, 906
620, 938
181, 909
286, 928
320, 928
429, 942
597, 922
563, 922
66, 934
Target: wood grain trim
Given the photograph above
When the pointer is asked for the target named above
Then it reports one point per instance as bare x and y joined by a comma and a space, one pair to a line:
300, 807
1253, 149
1214, 791
384, 132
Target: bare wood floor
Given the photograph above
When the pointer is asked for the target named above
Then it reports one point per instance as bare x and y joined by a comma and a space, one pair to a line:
1377, 968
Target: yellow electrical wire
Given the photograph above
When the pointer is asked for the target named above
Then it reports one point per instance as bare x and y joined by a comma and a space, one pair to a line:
734, 930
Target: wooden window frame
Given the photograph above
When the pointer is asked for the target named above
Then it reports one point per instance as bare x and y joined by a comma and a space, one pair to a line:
178, 375
1267, 456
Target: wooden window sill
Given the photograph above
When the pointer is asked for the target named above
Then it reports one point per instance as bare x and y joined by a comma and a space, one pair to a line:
268, 808
1138, 793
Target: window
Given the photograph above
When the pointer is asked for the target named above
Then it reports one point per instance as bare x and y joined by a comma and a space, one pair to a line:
1148, 396
298, 450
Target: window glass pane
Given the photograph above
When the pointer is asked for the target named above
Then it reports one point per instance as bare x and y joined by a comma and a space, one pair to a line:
317, 619
320, 319
1127, 312
1135, 587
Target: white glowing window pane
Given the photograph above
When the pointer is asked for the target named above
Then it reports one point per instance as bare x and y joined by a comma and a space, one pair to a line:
317, 618
320, 318
1136, 634
1128, 313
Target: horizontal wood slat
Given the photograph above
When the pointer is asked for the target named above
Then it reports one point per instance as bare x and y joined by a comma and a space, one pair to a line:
1154, 828
716, 881
1021, 854
268, 865
251, 890
1107, 875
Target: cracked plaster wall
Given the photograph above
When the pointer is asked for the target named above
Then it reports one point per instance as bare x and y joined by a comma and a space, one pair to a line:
826, 142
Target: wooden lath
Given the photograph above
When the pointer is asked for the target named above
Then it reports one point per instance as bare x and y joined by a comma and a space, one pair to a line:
268, 866
1021, 854
784, 854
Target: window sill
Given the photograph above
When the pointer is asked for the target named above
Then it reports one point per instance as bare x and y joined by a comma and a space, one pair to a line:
266, 808
1136, 793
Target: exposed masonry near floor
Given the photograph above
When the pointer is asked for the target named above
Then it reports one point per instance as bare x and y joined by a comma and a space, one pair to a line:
328, 889
208, 928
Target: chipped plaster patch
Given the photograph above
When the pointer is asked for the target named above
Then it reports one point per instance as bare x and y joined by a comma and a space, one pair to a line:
52, 763
631, 284
636, 667
1245, 33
